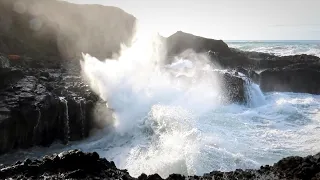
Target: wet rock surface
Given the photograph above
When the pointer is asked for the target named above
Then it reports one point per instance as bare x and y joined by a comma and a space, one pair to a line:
41, 105
304, 78
76, 164
233, 87
43, 97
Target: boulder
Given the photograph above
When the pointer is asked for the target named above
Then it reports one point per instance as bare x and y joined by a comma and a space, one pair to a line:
233, 87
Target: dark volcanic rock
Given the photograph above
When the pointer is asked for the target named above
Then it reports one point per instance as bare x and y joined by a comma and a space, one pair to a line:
280, 62
68, 165
218, 51
233, 87
303, 78
180, 41
75, 164
262, 61
42, 95
31, 114
39, 105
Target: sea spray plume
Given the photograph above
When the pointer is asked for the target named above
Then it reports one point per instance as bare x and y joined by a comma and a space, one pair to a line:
119, 80
156, 108
137, 79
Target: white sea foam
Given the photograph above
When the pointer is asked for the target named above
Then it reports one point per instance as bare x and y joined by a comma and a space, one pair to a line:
280, 48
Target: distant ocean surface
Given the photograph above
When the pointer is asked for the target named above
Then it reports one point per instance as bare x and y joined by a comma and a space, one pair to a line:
280, 48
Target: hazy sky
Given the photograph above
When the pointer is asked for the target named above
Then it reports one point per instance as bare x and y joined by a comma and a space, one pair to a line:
227, 19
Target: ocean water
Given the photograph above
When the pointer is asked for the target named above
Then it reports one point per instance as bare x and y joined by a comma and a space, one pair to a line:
171, 119
279, 48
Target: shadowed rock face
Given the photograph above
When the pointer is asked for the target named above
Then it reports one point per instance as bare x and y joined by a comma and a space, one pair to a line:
295, 78
180, 41
279, 62
39, 106
75, 164
50, 28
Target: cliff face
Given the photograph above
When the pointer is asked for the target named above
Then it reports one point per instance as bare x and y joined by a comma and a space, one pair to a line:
49, 28
43, 97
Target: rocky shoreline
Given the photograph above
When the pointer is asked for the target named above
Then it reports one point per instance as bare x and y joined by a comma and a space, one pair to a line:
75, 164
44, 98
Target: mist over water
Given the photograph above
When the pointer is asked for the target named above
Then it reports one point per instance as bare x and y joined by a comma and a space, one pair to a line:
171, 119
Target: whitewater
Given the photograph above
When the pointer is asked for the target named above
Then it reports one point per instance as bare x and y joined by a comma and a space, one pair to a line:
279, 48
172, 119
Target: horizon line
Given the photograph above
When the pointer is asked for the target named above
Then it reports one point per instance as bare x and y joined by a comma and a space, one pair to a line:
263, 40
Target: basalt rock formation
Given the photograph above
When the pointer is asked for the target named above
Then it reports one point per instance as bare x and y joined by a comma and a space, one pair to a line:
76, 164
43, 97
40, 105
